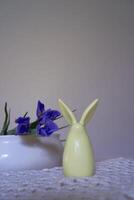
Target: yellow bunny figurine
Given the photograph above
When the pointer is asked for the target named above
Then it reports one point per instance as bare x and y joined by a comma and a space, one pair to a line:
78, 159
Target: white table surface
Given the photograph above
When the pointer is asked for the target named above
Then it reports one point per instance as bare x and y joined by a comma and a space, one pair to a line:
113, 180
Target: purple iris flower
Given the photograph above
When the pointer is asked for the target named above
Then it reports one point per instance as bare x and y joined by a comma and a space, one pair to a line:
46, 126
44, 123
40, 109
23, 125
49, 115
47, 129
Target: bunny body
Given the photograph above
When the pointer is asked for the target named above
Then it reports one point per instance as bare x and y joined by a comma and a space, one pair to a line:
78, 159
78, 156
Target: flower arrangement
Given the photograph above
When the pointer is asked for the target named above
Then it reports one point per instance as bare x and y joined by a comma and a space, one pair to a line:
44, 125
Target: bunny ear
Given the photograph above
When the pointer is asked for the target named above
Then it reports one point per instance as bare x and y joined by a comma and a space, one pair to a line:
67, 113
88, 113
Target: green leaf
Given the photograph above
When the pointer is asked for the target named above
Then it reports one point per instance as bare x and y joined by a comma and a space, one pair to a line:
33, 124
33, 132
6, 121
25, 114
11, 132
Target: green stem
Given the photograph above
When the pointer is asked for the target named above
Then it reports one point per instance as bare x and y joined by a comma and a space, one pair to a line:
64, 127
62, 115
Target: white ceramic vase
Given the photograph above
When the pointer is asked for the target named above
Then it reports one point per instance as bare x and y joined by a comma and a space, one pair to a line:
30, 152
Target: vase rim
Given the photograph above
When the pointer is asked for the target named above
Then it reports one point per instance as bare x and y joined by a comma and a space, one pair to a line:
55, 135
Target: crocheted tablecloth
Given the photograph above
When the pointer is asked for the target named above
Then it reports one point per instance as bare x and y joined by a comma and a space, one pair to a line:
114, 180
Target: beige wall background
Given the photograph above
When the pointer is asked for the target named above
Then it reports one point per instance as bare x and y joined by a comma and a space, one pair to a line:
76, 50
